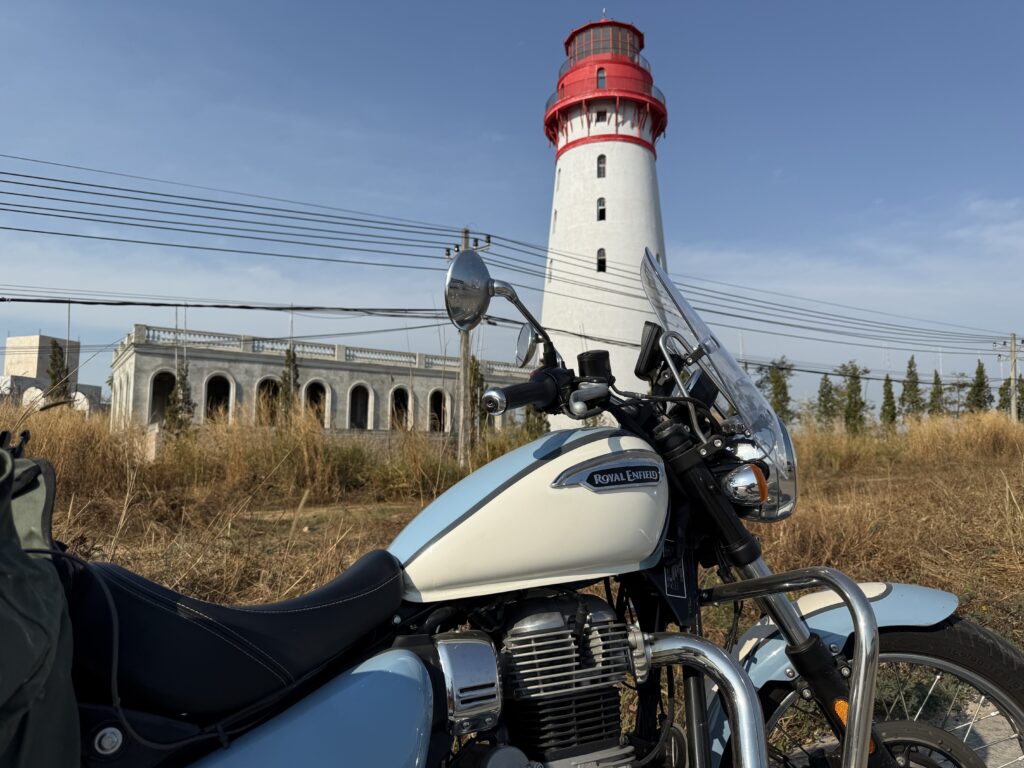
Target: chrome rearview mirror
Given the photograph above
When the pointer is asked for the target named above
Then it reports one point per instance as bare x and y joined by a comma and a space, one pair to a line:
526, 345
467, 290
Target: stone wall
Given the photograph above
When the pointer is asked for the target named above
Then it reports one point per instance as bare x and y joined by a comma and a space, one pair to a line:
227, 373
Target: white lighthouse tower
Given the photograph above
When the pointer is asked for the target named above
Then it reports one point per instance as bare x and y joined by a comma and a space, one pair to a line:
604, 120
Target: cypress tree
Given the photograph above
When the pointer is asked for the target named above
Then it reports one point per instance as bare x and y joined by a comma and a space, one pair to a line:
937, 398
480, 419
288, 392
911, 402
826, 408
1004, 396
773, 381
180, 407
887, 414
855, 407
979, 396
57, 371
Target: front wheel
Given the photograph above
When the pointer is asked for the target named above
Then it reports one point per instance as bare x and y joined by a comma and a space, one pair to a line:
954, 677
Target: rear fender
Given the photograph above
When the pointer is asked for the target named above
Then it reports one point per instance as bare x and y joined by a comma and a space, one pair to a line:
762, 650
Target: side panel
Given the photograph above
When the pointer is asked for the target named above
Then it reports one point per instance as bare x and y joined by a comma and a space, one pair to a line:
762, 650
375, 714
594, 506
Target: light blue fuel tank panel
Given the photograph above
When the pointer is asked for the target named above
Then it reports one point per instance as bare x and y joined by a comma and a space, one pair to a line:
376, 714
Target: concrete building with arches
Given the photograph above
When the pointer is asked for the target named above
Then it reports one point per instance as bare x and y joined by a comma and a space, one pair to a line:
234, 377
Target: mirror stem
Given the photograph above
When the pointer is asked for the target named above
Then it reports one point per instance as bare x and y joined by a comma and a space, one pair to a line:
503, 289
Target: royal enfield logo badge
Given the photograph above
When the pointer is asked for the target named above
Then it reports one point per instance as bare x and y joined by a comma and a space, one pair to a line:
606, 478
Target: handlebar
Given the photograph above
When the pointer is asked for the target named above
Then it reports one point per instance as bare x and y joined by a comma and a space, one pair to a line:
540, 392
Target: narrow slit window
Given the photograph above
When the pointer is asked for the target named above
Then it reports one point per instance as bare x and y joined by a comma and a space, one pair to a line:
602, 263
600, 78
600, 209
602, 163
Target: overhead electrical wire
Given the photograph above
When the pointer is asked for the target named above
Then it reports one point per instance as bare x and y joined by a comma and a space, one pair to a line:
539, 251
863, 328
205, 203
221, 190
215, 249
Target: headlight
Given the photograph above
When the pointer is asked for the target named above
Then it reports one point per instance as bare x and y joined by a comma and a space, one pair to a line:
781, 479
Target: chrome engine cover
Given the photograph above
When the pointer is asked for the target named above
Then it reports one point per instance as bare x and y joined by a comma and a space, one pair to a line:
562, 660
472, 683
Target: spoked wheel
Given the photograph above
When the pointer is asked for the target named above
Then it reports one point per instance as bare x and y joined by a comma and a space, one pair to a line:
948, 695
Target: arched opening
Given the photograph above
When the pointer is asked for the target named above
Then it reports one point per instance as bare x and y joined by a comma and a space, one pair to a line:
359, 407
438, 411
268, 402
602, 162
600, 77
218, 398
160, 396
316, 401
600, 209
602, 263
400, 408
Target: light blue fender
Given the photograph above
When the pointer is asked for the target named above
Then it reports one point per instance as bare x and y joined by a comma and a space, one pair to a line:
377, 713
762, 651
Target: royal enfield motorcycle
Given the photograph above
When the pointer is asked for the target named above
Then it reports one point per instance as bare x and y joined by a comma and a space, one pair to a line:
547, 610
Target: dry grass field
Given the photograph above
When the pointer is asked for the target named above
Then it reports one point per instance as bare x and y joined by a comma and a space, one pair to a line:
249, 514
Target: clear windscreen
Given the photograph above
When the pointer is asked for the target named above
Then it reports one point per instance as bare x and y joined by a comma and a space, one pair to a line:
743, 400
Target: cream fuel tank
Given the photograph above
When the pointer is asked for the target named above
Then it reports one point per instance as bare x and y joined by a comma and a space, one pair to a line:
571, 506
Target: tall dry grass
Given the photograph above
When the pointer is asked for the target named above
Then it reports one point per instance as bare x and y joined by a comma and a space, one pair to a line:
247, 513
939, 502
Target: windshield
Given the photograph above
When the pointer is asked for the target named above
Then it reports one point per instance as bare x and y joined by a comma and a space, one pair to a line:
743, 400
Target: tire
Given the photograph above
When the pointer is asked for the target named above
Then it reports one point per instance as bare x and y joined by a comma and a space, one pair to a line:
954, 676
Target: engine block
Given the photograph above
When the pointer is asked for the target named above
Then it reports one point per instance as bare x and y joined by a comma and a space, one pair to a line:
562, 661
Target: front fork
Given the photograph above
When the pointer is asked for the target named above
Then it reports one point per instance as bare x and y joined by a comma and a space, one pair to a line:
847, 703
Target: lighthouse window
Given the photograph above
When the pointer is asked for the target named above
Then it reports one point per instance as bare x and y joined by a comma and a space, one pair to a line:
601, 116
601, 163
602, 265
600, 77
600, 209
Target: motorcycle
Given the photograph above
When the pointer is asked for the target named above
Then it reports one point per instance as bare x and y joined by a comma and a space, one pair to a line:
502, 627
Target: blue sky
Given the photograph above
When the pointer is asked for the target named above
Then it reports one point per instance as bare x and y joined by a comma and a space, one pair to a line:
867, 153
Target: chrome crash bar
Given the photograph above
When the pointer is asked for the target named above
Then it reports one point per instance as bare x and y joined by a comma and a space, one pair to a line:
857, 744
666, 648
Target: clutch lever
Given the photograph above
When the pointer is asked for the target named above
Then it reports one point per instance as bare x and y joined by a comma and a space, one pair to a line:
580, 401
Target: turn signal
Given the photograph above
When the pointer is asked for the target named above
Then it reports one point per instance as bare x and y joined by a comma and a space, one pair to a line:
746, 485
842, 709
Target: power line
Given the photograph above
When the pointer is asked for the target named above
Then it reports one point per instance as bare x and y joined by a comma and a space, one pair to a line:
864, 323
231, 250
211, 189
205, 203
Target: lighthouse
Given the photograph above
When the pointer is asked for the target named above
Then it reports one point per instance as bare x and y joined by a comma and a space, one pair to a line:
604, 120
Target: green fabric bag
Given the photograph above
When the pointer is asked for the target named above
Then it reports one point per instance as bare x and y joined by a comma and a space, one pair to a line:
38, 712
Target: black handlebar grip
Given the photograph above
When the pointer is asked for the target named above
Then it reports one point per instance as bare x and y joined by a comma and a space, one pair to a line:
539, 393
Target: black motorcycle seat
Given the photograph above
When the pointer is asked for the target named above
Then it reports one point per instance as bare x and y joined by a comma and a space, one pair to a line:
182, 656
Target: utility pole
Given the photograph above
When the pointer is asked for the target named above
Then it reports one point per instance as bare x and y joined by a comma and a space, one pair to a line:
464, 405
464, 395
1013, 376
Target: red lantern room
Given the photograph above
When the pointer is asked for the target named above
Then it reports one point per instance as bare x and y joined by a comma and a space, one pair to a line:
604, 63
